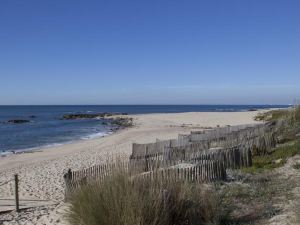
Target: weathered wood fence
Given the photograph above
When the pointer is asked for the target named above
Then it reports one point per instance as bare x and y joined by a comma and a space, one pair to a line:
201, 156
260, 138
204, 170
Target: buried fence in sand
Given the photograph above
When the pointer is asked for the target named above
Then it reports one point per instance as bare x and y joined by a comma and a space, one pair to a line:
200, 156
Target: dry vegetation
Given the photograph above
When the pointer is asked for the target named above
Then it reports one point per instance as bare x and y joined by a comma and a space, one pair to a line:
120, 200
250, 201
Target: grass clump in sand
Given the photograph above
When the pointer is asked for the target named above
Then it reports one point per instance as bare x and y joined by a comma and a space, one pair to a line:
252, 201
271, 115
287, 122
274, 159
121, 200
292, 115
287, 134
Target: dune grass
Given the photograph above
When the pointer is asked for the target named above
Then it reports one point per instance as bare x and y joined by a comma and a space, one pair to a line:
274, 159
272, 115
251, 201
288, 130
280, 114
119, 200
287, 122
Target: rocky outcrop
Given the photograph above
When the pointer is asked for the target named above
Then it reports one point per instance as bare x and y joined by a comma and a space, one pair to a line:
89, 116
113, 119
122, 121
18, 121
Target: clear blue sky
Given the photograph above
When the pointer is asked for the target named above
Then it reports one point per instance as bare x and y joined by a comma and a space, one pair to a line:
149, 52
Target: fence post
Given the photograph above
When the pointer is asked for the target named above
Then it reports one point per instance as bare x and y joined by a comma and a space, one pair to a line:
68, 182
17, 192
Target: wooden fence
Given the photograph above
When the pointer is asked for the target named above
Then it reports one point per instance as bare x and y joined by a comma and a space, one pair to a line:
206, 171
233, 157
202, 171
259, 138
200, 156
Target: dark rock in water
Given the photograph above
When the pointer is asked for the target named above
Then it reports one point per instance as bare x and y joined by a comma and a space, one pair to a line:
252, 110
81, 116
87, 115
32, 116
18, 121
122, 122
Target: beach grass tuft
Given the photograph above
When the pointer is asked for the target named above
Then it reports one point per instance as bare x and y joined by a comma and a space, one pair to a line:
290, 114
275, 159
121, 200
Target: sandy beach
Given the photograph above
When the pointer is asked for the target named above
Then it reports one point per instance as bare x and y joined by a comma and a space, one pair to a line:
41, 173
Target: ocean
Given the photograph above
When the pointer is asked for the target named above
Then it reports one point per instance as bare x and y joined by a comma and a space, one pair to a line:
46, 128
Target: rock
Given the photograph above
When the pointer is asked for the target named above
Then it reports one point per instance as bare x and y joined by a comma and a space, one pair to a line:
252, 110
122, 122
116, 121
18, 121
80, 116
32, 116
88, 116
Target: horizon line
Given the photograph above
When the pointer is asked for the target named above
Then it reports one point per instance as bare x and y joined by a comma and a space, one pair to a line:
255, 104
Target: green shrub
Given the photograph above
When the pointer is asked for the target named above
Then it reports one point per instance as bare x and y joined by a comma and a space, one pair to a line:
272, 115
291, 115
119, 200
287, 123
297, 114
275, 159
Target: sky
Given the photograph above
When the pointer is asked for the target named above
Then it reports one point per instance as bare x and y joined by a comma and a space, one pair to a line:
149, 52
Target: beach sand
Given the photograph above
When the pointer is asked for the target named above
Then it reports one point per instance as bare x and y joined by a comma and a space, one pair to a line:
41, 173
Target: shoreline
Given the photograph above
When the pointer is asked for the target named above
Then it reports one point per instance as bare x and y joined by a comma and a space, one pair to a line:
102, 134
182, 122
117, 122
50, 152
55, 144
95, 136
